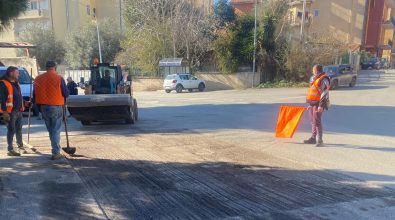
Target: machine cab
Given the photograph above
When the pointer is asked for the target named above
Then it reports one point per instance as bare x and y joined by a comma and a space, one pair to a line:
108, 79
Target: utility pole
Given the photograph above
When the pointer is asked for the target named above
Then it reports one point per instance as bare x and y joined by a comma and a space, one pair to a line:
53, 26
98, 38
303, 21
120, 16
67, 15
255, 43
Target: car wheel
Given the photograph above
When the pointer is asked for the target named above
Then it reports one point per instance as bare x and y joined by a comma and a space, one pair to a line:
353, 82
179, 88
201, 87
335, 84
168, 90
85, 123
190, 90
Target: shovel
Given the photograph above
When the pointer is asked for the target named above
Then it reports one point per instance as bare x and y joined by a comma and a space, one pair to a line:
30, 111
69, 150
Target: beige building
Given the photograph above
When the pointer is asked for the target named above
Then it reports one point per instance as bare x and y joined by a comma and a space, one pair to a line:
344, 19
65, 15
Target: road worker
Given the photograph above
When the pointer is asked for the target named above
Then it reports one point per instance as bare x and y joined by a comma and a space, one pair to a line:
50, 93
318, 101
72, 86
12, 106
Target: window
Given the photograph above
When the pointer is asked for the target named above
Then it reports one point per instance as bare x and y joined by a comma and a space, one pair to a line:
316, 12
88, 10
33, 6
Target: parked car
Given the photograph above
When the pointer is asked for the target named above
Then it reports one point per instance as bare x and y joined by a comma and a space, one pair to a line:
184, 81
371, 63
341, 75
24, 81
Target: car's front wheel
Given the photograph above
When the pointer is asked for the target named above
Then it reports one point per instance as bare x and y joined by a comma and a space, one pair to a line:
168, 90
201, 87
179, 88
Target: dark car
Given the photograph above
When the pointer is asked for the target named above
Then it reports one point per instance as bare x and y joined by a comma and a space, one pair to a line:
341, 75
371, 63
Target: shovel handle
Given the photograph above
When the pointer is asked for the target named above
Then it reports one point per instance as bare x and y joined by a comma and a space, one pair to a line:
65, 126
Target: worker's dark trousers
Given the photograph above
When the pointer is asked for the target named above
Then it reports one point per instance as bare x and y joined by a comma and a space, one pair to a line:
14, 127
316, 122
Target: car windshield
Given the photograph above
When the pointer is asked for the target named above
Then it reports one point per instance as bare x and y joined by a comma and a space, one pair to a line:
24, 77
331, 69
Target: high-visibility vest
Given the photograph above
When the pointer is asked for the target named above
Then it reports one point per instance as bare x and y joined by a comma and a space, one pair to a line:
314, 93
47, 89
10, 99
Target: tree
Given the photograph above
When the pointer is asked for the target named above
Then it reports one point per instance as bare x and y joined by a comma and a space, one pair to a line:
164, 28
10, 10
48, 48
224, 12
235, 45
82, 45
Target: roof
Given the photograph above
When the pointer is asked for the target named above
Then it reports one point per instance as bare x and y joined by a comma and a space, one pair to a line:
175, 62
16, 45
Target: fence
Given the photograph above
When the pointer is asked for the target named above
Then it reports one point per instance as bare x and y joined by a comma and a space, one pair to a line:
76, 75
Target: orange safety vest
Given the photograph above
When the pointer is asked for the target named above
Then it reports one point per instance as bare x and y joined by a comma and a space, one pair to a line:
314, 93
10, 99
47, 89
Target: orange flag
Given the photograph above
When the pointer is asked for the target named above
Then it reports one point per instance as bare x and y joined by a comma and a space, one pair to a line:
288, 120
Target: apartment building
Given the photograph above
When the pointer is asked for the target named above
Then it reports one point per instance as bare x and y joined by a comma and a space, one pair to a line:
380, 23
345, 20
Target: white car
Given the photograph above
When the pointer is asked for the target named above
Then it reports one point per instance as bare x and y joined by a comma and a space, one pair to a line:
180, 82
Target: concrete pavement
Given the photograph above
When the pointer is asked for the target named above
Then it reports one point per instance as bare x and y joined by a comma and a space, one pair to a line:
213, 155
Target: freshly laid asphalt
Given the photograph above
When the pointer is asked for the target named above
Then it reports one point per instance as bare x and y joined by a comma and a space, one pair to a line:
213, 155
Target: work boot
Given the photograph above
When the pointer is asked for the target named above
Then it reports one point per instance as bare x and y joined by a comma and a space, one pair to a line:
57, 157
23, 150
310, 141
13, 153
320, 143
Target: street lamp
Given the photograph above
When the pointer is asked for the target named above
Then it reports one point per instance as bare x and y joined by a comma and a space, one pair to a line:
98, 36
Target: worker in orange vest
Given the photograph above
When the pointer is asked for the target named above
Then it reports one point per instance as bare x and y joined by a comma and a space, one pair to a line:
50, 93
12, 106
318, 101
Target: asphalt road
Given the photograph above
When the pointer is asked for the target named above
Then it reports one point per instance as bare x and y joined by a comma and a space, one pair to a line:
213, 155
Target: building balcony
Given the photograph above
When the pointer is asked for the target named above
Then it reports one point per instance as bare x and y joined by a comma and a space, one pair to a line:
298, 2
34, 14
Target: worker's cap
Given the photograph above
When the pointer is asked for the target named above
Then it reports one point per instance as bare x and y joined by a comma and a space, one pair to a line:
50, 64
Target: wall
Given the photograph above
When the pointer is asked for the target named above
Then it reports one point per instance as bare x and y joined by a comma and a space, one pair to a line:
28, 63
214, 81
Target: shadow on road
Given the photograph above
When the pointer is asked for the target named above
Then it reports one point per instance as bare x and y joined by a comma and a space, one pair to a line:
152, 189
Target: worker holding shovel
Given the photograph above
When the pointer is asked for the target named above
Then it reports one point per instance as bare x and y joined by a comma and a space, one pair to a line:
50, 93
12, 106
